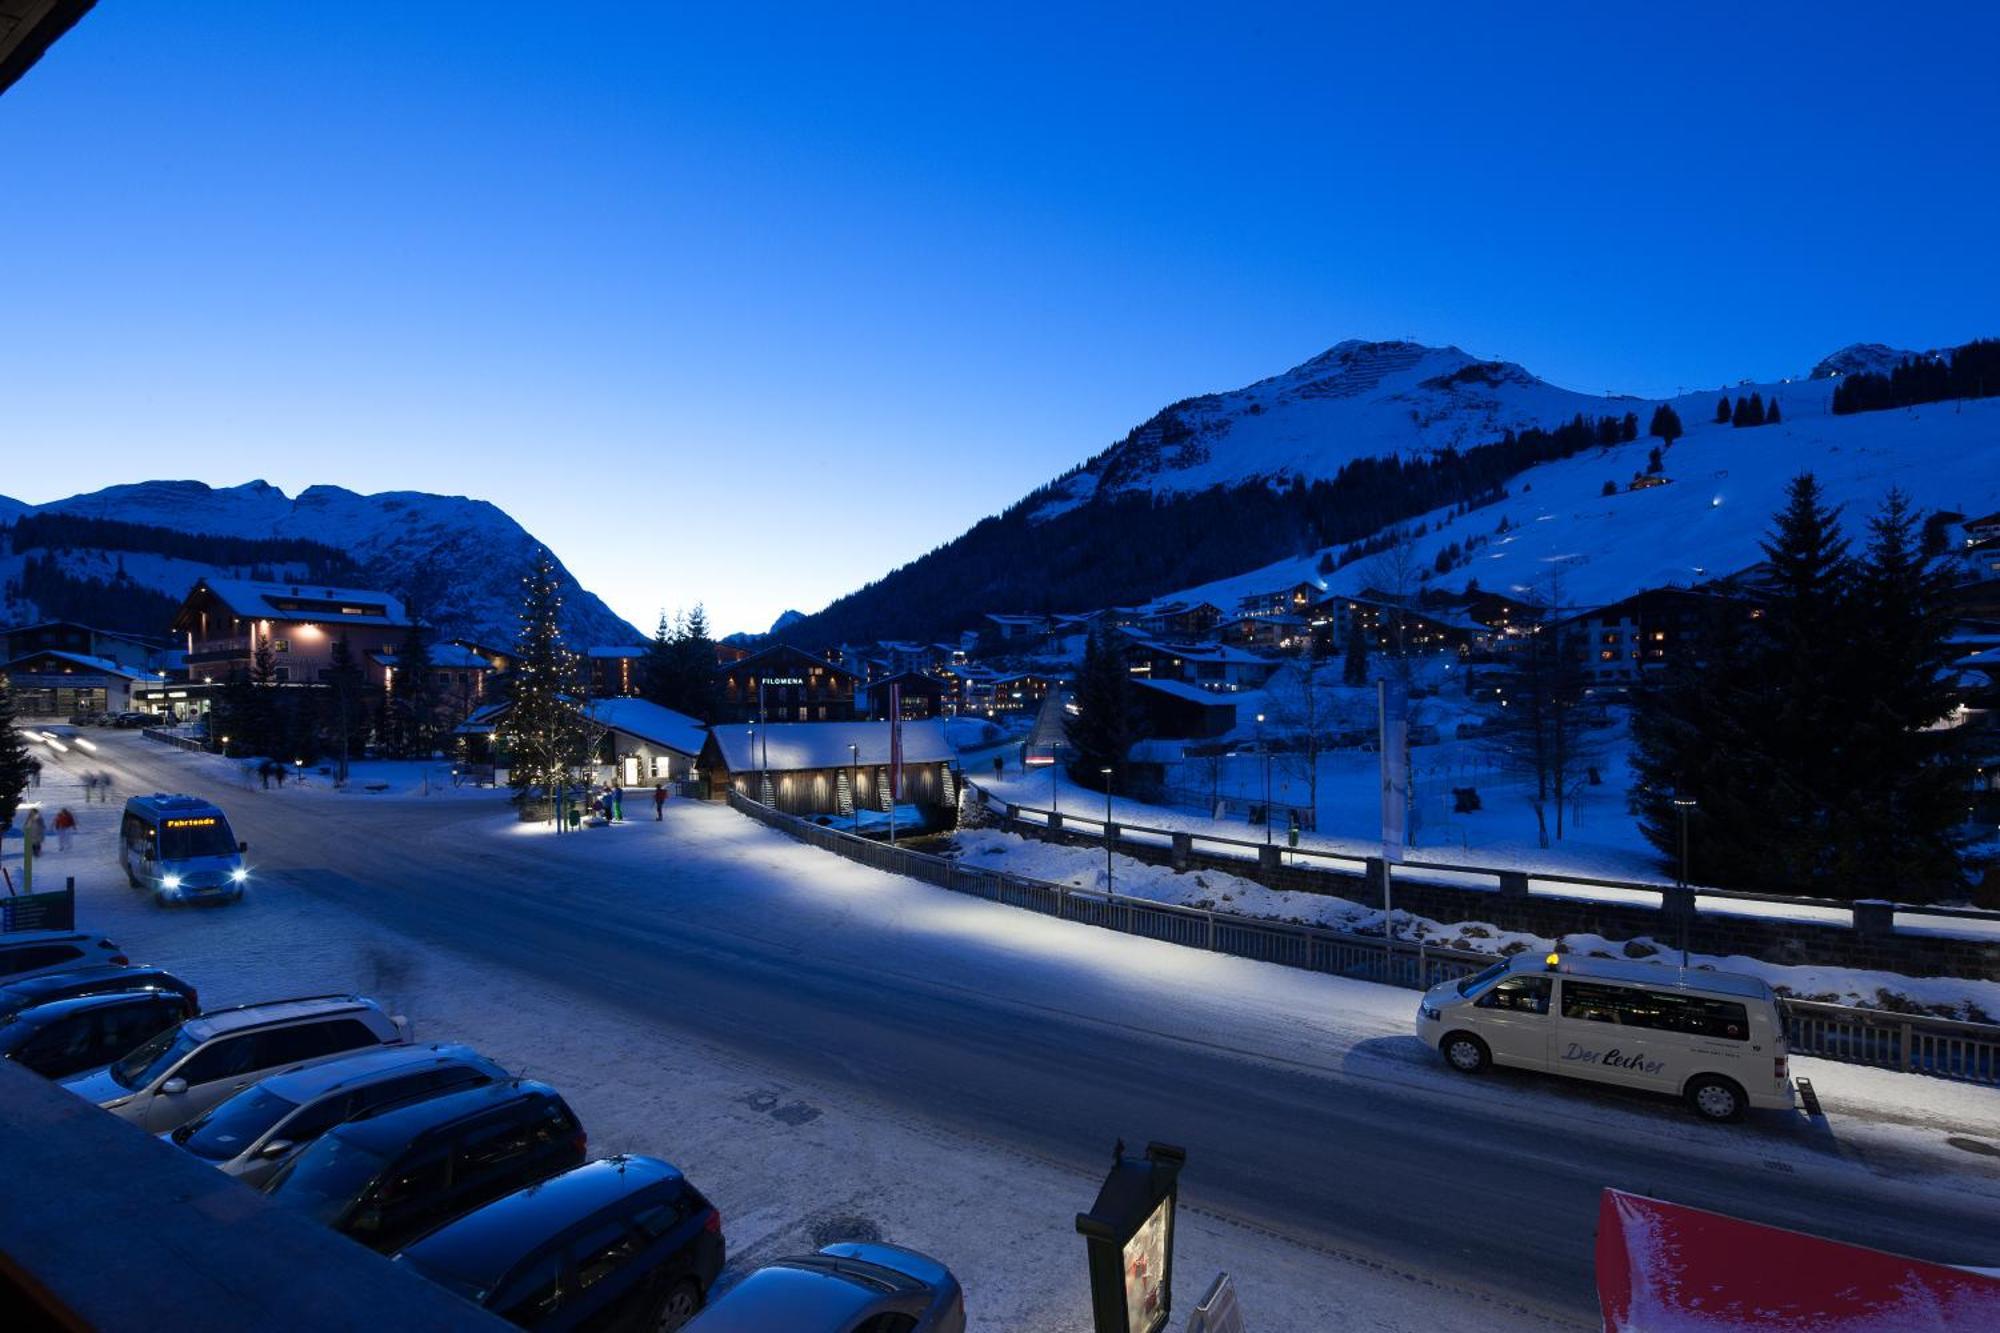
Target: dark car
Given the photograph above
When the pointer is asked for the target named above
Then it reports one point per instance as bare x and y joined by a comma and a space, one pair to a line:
27, 953
387, 1178
625, 1243
68, 1037
93, 979
852, 1287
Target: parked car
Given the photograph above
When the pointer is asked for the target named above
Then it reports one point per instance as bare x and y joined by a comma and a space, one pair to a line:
182, 1072
29, 953
622, 1243
388, 1178
852, 1287
93, 979
252, 1134
67, 1037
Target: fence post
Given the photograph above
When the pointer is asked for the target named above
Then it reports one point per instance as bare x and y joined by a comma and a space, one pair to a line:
1183, 851
1909, 1049
1055, 821
1111, 833
1211, 930
1513, 884
1874, 918
1267, 857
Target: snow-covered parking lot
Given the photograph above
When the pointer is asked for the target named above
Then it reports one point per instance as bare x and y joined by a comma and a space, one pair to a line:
830, 1051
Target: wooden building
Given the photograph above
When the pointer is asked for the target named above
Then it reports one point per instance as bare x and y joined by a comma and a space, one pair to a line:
1177, 710
224, 622
49, 684
922, 696
788, 685
830, 768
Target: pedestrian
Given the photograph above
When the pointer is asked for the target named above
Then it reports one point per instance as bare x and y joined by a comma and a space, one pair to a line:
659, 800
617, 802
89, 787
34, 771
65, 827
279, 770
33, 832
104, 785
264, 772
999, 766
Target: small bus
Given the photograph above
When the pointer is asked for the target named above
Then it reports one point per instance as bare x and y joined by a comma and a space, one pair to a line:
1714, 1039
181, 848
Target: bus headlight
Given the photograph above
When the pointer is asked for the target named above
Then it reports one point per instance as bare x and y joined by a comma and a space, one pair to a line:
239, 874
171, 882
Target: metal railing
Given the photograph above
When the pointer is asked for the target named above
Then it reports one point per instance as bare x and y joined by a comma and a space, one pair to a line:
1354, 864
174, 739
1913, 1043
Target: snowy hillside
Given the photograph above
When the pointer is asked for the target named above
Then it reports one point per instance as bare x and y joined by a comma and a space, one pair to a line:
1356, 400
462, 557
1725, 484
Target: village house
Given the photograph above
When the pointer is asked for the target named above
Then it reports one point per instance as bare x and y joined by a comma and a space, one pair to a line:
919, 696
50, 683
1647, 632
1174, 709
831, 768
1295, 600
225, 622
785, 684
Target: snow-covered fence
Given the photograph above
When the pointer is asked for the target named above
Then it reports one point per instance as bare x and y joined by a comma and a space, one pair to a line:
1917, 1045
1312, 948
1909, 1042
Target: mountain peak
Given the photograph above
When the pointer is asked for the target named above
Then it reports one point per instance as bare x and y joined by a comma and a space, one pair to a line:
1859, 358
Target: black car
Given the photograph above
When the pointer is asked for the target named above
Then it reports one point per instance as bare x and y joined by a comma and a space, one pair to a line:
68, 1037
625, 1243
387, 1178
94, 979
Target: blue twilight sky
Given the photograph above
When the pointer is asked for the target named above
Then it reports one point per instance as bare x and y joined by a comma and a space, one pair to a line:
747, 304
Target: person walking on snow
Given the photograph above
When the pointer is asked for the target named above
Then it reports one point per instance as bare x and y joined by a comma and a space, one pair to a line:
65, 828
659, 800
617, 802
33, 831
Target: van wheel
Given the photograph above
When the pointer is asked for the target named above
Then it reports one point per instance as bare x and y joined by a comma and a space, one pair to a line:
1716, 1099
1465, 1052
683, 1299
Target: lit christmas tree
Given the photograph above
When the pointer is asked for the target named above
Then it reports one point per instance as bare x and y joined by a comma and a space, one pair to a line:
545, 731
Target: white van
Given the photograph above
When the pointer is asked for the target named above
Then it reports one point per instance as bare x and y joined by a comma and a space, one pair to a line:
1713, 1038
180, 848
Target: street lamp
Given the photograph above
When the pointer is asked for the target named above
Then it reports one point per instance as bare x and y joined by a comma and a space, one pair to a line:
1109, 891
1267, 778
1685, 905
854, 785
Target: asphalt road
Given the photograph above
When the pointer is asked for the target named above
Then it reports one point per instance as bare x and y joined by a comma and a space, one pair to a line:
1487, 1185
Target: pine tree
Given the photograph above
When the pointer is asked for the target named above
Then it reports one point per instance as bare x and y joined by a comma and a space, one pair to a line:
1655, 465
1756, 411
1723, 415
657, 679
1354, 664
14, 766
544, 731
1666, 424
347, 708
413, 714
1771, 417
1905, 782
1107, 721
1628, 429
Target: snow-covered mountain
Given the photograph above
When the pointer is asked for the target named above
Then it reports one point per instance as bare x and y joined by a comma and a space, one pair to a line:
461, 558
1724, 484
1355, 400
1199, 501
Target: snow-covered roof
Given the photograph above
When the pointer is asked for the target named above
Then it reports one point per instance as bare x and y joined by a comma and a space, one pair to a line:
444, 656
322, 605
792, 746
651, 722
101, 665
1193, 694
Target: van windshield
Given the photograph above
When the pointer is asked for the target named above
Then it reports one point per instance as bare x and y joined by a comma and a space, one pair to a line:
1479, 981
185, 839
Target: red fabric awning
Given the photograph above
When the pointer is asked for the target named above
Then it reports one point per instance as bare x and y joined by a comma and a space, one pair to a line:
1666, 1268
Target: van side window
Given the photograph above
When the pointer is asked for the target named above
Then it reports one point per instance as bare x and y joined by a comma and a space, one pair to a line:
1591, 1003
1698, 1016
1520, 995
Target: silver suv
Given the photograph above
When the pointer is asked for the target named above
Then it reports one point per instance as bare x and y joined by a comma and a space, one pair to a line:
185, 1070
252, 1134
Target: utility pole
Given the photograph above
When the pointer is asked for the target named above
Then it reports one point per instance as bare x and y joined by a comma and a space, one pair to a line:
1266, 755
1109, 890
1682, 805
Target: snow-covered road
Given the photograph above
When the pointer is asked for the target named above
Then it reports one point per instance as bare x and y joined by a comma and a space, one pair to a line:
828, 1049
